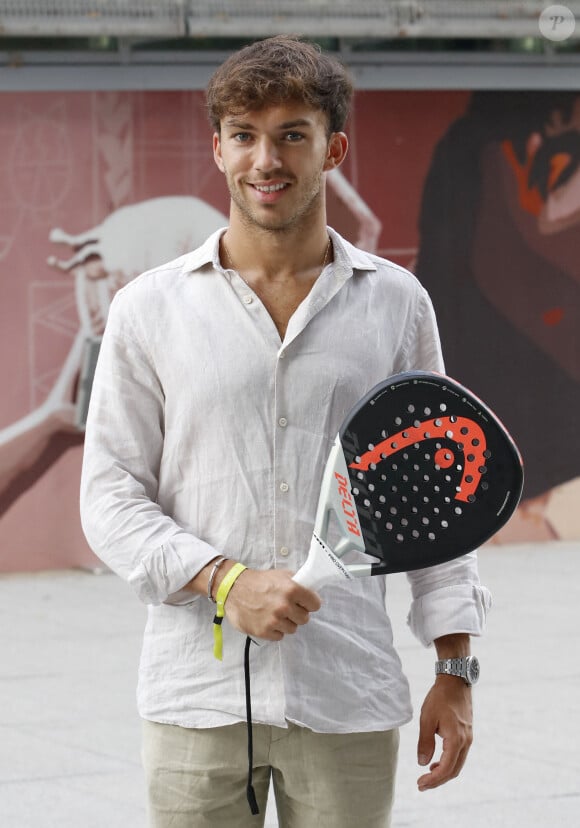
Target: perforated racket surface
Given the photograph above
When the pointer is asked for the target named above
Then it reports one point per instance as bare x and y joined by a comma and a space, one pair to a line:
421, 472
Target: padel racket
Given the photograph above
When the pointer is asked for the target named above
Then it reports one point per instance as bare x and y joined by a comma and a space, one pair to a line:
421, 472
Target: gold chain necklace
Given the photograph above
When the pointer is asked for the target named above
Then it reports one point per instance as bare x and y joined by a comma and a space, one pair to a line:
230, 261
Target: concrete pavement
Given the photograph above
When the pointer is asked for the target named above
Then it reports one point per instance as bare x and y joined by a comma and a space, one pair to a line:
69, 733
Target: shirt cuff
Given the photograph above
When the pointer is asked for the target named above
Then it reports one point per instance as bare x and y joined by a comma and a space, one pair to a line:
163, 573
461, 608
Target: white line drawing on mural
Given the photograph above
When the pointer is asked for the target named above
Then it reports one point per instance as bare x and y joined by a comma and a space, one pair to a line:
35, 174
52, 312
113, 133
10, 216
40, 167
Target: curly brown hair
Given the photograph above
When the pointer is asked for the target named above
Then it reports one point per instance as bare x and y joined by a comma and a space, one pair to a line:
279, 69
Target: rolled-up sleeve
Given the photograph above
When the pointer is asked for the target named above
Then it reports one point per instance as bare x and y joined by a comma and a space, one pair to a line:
121, 519
448, 599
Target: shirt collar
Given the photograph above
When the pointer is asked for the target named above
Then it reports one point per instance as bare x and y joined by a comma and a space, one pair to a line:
208, 253
347, 257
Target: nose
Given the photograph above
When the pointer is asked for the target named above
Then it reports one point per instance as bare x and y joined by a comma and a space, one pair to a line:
267, 157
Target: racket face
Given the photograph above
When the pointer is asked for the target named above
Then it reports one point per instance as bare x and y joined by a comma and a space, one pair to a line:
433, 472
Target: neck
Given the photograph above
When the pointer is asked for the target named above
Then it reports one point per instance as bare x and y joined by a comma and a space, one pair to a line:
275, 256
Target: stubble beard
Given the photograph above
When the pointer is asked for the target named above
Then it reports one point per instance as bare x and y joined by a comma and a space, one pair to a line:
302, 215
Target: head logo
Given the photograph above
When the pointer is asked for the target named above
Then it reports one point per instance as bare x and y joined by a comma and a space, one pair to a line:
468, 435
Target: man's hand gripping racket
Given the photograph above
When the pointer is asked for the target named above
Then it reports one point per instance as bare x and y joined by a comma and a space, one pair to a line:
421, 472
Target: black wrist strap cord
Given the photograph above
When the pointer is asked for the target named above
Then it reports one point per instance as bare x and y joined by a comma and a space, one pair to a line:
250, 793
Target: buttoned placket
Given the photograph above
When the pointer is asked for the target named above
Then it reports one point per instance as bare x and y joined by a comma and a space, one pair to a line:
282, 486
281, 483
321, 293
270, 685
254, 306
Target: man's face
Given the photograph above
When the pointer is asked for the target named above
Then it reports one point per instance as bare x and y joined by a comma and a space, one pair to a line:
274, 160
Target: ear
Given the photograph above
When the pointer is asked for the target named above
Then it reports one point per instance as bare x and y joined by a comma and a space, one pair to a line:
337, 150
217, 152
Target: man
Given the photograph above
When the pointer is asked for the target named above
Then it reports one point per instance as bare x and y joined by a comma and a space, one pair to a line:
222, 381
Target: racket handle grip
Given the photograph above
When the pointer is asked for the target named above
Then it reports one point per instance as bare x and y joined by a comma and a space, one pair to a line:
321, 566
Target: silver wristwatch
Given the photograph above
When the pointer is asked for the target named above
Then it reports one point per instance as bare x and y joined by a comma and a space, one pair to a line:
466, 668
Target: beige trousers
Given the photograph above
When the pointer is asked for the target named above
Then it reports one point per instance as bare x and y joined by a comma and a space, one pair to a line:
196, 778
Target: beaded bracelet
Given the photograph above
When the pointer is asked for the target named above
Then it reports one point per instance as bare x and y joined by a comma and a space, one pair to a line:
216, 566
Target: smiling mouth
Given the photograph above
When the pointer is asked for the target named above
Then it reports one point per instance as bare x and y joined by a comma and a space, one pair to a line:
269, 188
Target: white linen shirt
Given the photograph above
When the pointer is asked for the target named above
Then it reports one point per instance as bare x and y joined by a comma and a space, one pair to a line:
207, 435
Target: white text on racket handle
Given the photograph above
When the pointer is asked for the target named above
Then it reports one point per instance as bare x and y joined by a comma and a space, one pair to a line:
321, 566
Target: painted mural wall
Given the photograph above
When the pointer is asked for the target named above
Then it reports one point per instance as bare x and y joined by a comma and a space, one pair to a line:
477, 193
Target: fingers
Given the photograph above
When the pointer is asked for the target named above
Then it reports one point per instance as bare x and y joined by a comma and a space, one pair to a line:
447, 713
303, 597
426, 746
290, 614
447, 768
287, 619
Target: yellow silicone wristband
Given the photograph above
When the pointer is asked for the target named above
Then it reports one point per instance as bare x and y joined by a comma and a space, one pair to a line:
223, 591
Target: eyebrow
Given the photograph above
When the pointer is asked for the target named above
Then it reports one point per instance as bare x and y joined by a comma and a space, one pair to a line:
298, 122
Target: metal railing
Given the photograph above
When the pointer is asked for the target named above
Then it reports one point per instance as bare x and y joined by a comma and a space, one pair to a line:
257, 18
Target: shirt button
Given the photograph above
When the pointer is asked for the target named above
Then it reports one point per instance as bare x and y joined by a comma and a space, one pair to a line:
282, 422
284, 487
284, 551
248, 299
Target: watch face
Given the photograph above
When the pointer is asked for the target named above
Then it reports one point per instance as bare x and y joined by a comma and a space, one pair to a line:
472, 670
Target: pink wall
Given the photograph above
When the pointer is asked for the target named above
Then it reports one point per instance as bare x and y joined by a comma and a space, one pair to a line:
69, 161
